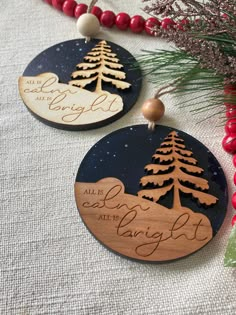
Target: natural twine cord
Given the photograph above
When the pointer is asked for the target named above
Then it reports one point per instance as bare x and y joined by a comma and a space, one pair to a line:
92, 4
160, 92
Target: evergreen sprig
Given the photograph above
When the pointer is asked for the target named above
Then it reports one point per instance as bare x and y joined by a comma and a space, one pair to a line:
205, 58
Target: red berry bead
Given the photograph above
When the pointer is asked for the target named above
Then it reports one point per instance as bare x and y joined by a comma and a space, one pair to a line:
69, 7
230, 126
235, 179
137, 24
229, 143
167, 23
97, 12
58, 4
80, 9
225, 16
234, 160
230, 88
151, 25
108, 18
233, 220
122, 21
183, 24
230, 112
48, 1
234, 200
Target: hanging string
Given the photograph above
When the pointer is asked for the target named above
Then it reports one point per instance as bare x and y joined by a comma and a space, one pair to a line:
166, 89
92, 4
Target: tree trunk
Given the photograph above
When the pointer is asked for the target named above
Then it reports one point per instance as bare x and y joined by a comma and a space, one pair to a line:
99, 85
176, 201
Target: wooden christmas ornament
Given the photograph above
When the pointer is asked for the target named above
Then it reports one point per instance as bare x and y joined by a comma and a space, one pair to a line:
151, 196
66, 94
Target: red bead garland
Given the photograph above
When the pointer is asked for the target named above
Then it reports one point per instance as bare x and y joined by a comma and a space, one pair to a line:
137, 24
68, 7
150, 24
229, 141
96, 11
80, 9
108, 18
167, 23
122, 21
58, 4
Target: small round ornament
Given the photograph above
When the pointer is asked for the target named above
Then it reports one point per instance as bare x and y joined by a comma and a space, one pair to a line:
78, 86
153, 109
151, 196
88, 25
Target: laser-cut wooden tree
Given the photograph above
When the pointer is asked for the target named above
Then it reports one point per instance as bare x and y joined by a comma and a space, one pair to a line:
173, 162
100, 65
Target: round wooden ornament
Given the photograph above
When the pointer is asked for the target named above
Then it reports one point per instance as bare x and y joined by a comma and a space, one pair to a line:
77, 86
151, 196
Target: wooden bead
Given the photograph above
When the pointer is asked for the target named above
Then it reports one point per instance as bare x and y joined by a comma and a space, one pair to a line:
108, 18
80, 9
68, 7
234, 200
137, 24
229, 143
122, 21
234, 160
96, 11
153, 109
151, 25
88, 25
233, 220
58, 4
230, 126
167, 23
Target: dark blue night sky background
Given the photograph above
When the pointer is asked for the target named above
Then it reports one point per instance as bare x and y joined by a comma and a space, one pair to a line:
124, 153
62, 59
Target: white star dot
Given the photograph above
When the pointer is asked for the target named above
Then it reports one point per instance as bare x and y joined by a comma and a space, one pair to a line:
126, 145
58, 49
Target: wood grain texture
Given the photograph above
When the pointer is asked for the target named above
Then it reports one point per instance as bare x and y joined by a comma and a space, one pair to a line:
100, 65
79, 86
138, 228
155, 212
180, 168
65, 104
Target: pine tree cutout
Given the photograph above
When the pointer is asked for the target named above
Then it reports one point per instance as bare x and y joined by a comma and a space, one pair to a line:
100, 65
175, 168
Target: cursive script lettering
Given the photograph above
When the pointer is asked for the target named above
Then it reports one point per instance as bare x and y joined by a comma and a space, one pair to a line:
148, 248
59, 100
108, 201
98, 104
46, 88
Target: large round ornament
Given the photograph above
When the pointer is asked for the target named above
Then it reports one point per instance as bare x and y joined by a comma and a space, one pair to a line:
77, 86
151, 196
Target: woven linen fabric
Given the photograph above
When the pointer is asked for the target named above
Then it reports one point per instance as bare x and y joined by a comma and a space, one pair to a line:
49, 262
